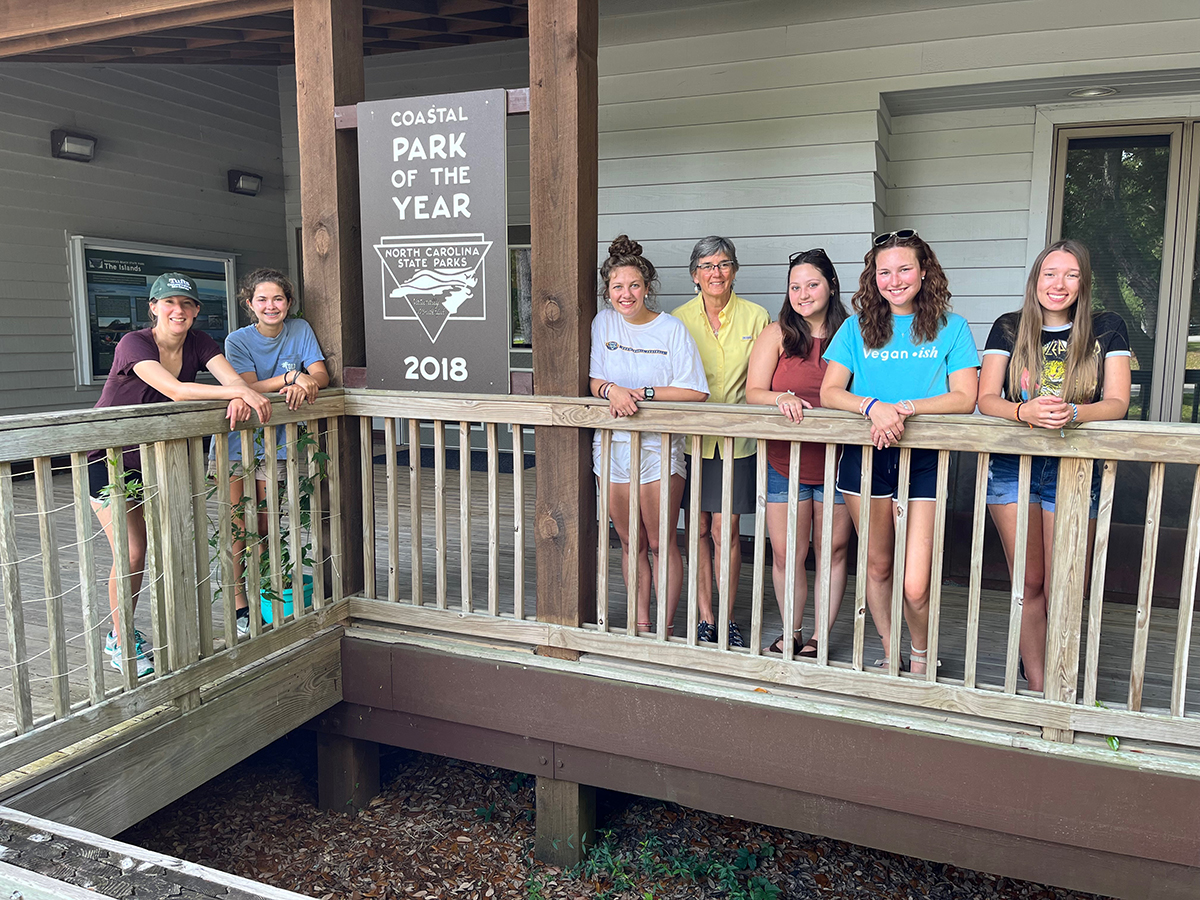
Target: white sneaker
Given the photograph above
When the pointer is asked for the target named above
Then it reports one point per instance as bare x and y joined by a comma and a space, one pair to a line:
243, 623
139, 640
145, 665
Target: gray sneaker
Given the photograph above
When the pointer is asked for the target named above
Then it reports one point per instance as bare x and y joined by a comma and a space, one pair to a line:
145, 666
139, 640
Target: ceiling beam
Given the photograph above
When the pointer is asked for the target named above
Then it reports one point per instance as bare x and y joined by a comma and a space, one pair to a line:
27, 26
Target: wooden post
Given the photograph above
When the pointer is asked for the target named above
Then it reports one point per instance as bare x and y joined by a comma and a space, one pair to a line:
1067, 578
566, 821
329, 72
347, 772
563, 170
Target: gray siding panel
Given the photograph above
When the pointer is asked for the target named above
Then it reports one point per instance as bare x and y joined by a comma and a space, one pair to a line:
166, 136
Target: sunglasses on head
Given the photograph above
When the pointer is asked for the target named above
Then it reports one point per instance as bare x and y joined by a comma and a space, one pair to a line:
796, 257
903, 234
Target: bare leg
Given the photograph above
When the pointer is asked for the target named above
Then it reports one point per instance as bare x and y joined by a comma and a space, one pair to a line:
135, 533
1037, 577
880, 547
239, 547
837, 557
650, 521
777, 515
735, 553
618, 504
918, 559
704, 565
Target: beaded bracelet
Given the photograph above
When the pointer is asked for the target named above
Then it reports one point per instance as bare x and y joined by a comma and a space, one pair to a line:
1074, 412
911, 406
784, 394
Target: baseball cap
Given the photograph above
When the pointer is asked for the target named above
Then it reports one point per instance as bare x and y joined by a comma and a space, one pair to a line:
174, 284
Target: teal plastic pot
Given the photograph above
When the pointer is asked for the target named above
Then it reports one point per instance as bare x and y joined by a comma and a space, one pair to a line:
265, 603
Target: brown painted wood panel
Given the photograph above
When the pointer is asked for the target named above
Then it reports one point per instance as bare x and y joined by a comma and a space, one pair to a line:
1114, 809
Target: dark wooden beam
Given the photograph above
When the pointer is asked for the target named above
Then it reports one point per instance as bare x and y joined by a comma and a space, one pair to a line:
29, 27
329, 72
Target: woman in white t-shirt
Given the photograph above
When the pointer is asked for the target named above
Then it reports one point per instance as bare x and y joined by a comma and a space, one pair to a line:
639, 355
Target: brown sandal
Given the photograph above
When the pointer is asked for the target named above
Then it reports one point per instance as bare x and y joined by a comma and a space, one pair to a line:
809, 650
777, 646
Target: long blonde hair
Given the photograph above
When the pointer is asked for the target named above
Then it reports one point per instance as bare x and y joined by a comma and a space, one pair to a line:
1082, 367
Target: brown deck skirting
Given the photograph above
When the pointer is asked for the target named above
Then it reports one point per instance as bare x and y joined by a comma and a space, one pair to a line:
1090, 826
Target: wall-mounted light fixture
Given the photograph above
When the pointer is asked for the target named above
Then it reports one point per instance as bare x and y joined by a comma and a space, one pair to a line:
244, 182
70, 145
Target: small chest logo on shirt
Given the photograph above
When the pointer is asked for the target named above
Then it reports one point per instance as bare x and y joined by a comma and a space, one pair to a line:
611, 345
747, 337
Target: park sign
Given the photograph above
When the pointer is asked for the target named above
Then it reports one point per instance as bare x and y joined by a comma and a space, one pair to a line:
434, 237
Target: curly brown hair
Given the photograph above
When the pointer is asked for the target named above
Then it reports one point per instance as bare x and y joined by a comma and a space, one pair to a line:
625, 252
252, 280
930, 306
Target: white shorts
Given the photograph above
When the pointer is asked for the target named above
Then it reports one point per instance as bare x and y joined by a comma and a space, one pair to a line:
651, 460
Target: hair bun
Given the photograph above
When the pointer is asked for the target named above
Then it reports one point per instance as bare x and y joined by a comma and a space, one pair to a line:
623, 246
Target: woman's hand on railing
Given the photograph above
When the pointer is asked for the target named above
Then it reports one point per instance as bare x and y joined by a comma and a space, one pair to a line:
792, 406
887, 423
302, 390
623, 401
1046, 412
254, 401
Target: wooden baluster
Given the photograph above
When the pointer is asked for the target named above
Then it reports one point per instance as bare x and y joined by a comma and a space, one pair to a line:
822, 589
274, 542
336, 550
518, 459
635, 531
295, 514
89, 591
975, 588
758, 588
464, 513
316, 515
1067, 577
726, 589
1187, 598
414, 511
393, 509
1141, 628
899, 560
60, 688
603, 513
860, 565
439, 512
117, 504
493, 504
935, 567
666, 532
225, 540
253, 552
693, 519
1099, 564
791, 557
153, 573
1016, 604
174, 511
14, 612
199, 525
367, 464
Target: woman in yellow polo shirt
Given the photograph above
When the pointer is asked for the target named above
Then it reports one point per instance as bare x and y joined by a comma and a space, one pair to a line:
724, 327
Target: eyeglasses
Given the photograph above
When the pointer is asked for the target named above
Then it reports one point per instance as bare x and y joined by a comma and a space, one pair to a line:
797, 257
903, 234
724, 267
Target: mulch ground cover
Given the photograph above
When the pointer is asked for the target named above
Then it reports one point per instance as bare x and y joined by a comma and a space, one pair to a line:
443, 828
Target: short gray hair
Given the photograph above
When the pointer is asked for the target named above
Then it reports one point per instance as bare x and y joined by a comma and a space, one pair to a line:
711, 246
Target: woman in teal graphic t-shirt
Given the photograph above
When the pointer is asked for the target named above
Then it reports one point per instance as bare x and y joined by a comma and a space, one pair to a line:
903, 354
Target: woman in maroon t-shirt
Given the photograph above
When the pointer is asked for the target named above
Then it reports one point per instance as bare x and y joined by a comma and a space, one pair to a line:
786, 370
157, 365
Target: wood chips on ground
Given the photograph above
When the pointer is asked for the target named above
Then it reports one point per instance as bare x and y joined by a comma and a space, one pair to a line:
442, 828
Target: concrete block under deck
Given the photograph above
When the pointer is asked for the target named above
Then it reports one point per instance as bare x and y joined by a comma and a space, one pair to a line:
1054, 817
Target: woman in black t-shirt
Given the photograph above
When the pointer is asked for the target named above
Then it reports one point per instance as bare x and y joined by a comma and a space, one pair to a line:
1054, 364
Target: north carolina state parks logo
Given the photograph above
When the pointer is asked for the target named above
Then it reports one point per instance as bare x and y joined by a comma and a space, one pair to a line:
433, 279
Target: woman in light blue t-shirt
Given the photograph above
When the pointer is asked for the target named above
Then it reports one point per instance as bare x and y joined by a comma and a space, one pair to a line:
903, 354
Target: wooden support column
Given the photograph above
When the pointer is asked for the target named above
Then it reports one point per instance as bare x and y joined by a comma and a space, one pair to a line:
563, 175
329, 73
1068, 577
347, 772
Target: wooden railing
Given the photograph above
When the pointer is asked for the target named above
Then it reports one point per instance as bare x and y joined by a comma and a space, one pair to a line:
448, 548
55, 561
986, 638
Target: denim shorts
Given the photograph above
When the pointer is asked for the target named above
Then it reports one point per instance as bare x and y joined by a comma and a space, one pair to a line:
777, 489
885, 473
1003, 472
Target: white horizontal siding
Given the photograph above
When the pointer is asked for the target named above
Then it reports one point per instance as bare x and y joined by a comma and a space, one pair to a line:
166, 136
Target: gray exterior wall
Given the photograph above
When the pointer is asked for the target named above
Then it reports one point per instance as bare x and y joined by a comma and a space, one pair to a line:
166, 136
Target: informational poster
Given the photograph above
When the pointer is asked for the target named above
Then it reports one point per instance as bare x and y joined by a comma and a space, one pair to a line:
112, 283
434, 231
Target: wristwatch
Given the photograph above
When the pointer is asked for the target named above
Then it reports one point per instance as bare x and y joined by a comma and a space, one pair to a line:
648, 392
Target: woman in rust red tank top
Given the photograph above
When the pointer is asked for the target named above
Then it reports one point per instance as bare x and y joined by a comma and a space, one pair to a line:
786, 370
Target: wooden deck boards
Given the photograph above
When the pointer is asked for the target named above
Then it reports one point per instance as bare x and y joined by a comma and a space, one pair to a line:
1115, 655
